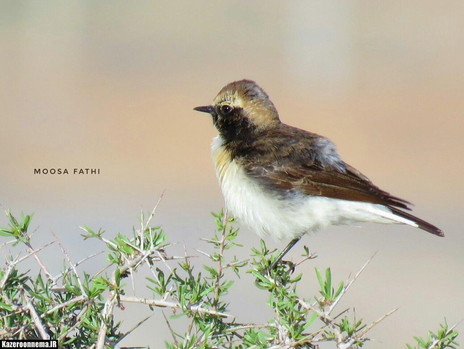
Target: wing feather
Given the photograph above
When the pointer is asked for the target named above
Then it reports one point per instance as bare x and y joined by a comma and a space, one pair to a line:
328, 182
288, 161
304, 162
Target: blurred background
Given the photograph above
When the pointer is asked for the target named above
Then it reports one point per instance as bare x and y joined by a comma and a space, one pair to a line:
111, 85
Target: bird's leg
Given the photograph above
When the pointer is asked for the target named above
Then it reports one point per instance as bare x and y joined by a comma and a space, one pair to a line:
284, 252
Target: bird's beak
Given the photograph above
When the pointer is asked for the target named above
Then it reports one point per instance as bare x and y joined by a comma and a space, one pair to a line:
207, 109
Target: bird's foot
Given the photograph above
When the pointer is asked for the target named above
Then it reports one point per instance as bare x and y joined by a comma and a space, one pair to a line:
273, 270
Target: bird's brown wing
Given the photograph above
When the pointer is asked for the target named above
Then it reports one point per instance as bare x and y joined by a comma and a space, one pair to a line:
315, 180
352, 185
304, 162
291, 161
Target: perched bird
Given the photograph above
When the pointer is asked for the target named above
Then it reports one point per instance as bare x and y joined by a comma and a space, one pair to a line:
283, 181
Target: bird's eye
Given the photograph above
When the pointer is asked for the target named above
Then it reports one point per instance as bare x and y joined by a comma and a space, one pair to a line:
226, 109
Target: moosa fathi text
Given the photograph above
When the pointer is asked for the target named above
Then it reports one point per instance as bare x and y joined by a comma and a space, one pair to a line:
61, 171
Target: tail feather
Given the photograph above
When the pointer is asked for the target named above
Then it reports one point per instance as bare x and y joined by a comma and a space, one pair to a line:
421, 224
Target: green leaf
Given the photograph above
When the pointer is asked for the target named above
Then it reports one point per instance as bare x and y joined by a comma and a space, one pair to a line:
339, 290
212, 271
319, 278
13, 220
6, 306
310, 320
328, 282
117, 276
5, 232
205, 292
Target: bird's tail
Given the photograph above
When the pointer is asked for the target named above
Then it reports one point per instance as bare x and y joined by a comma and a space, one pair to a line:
409, 219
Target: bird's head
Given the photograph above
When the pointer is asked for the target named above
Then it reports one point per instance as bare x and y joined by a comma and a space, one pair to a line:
240, 109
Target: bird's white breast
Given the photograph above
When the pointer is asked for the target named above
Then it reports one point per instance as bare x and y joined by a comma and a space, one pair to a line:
290, 217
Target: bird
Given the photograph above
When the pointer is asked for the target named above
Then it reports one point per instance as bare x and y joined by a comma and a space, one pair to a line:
284, 182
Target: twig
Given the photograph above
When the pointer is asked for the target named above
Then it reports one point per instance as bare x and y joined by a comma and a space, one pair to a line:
78, 321
245, 327
359, 336
56, 278
106, 314
113, 297
325, 318
154, 211
70, 263
219, 260
152, 214
165, 304
6, 275
78, 299
163, 259
101, 271
309, 256
203, 253
13, 263
133, 329
173, 334
34, 316
8, 243
437, 341
30, 249
348, 285
34, 252
368, 328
